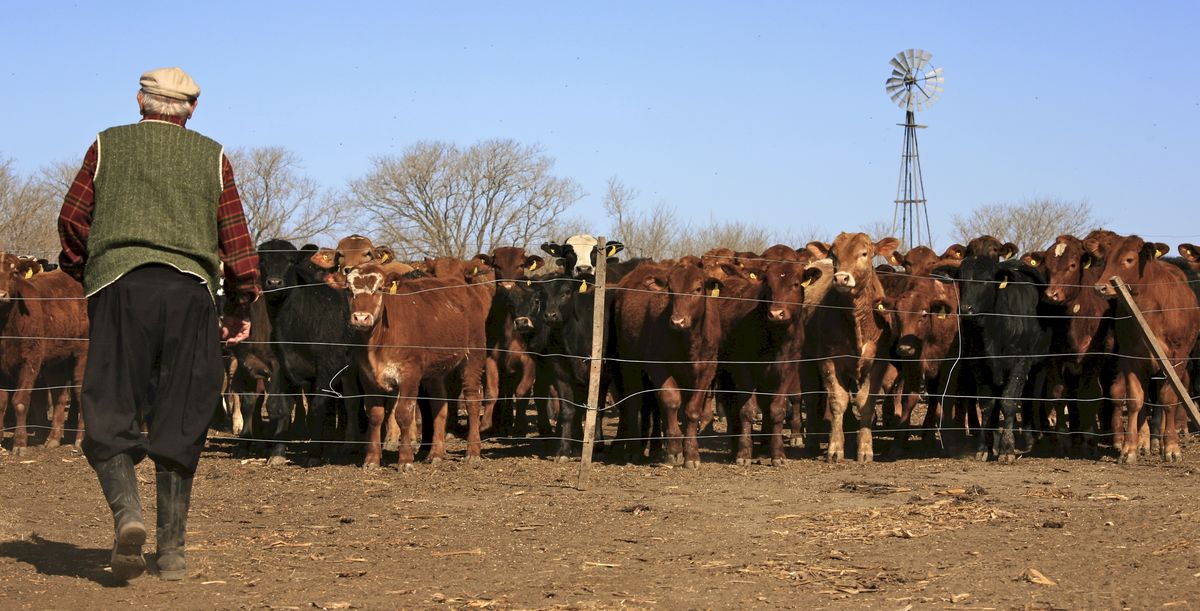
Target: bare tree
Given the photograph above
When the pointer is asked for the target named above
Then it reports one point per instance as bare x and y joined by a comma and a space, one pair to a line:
1031, 225
279, 200
29, 207
696, 239
441, 200
645, 233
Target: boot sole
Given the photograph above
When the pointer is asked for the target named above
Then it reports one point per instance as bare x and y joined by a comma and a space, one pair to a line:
127, 559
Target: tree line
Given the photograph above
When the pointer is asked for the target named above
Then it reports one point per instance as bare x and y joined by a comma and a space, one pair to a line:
441, 199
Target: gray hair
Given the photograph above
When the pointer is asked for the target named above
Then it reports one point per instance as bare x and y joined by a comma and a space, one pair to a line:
154, 104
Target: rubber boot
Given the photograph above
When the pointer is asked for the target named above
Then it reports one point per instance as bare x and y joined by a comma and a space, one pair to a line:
119, 483
174, 498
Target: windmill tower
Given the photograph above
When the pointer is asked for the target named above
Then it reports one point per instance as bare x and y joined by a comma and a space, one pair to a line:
914, 85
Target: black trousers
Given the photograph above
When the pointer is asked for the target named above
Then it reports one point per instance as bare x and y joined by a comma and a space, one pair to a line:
154, 355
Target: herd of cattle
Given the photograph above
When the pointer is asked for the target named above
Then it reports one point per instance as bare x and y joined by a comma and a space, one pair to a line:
814, 332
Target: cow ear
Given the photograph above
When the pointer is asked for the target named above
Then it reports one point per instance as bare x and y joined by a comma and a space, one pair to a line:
337, 280
713, 286
896, 259
820, 250
886, 247
654, 284
532, 262
1189, 252
484, 259
552, 249
1092, 246
384, 254
945, 273
1149, 252
955, 251
1160, 249
391, 282
811, 275
1008, 251
1033, 259
324, 258
612, 248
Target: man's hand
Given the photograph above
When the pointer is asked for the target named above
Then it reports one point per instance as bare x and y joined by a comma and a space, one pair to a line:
234, 329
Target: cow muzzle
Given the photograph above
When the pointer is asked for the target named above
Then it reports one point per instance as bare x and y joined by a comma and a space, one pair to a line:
844, 281
584, 270
906, 349
777, 315
1107, 290
362, 320
523, 324
1054, 295
681, 322
273, 283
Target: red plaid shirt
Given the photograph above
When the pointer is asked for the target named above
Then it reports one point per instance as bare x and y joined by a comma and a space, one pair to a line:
236, 249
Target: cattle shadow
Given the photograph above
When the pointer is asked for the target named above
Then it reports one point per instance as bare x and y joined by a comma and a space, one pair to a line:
61, 559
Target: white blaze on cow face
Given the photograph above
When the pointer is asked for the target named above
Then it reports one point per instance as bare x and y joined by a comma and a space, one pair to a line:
581, 248
365, 297
1059, 249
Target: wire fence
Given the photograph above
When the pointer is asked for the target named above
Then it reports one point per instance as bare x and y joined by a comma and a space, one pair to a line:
955, 361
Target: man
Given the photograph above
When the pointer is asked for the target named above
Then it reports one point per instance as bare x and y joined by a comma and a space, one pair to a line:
150, 218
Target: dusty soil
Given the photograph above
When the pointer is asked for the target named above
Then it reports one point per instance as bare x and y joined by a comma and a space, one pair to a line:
515, 533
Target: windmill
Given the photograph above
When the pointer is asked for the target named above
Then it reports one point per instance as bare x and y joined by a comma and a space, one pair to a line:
913, 85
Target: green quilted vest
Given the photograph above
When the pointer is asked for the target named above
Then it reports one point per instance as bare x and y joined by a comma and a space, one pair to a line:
157, 190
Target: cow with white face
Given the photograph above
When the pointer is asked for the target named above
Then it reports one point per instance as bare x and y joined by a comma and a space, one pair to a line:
578, 253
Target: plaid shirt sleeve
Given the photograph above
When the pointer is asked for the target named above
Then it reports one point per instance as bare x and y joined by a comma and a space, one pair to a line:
236, 247
75, 218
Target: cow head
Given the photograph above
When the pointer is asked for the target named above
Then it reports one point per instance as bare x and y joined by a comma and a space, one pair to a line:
274, 259
851, 255
925, 318
990, 247
689, 285
525, 306
786, 283
578, 253
11, 272
511, 264
353, 251
976, 279
1067, 266
368, 285
556, 295
1126, 258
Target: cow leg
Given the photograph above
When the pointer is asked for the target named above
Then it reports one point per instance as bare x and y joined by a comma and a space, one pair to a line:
21, 398
694, 411
280, 401
630, 426
1175, 420
374, 454
866, 400
472, 393
566, 420
774, 408
744, 448
813, 399
58, 417
498, 395
906, 387
669, 400
839, 400
1088, 407
1134, 399
521, 395
1006, 450
987, 422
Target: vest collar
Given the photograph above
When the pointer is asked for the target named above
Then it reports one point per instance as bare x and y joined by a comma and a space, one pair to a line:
165, 119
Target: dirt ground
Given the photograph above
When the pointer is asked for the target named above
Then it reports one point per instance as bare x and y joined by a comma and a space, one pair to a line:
514, 533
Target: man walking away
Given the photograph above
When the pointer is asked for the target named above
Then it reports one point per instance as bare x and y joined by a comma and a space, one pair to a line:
150, 218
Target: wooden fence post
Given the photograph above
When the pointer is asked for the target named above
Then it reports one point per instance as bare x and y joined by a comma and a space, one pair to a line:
1155, 347
594, 402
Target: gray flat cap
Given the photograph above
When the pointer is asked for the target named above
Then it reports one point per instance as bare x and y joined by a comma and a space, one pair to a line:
170, 83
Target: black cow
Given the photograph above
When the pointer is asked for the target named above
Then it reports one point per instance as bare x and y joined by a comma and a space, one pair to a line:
1002, 334
310, 334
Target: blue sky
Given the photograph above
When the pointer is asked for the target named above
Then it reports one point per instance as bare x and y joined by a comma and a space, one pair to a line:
769, 112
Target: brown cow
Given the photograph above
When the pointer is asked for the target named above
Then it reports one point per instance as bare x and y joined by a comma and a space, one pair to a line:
507, 345
1161, 291
925, 323
1082, 335
44, 320
921, 260
418, 333
844, 335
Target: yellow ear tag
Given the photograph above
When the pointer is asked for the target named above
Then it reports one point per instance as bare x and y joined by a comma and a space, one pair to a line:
475, 271
529, 283
941, 316
1033, 262
583, 287
1075, 309
753, 276
1004, 283
1087, 264
395, 285
612, 250
28, 273
533, 266
808, 281
384, 257
880, 307
1157, 253
716, 292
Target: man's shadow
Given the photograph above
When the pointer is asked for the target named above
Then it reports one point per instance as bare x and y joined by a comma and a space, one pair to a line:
61, 559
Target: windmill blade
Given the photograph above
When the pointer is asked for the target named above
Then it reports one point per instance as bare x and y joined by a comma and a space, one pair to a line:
898, 97
911, 56
894, 82
898, 74
936, 72
898, 63
923, 58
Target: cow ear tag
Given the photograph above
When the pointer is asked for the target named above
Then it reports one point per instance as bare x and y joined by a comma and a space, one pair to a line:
395, 285
28, 273
533, 266
1075, 309
808, 281
1157, 253
1033, 262
383, 258
880, 307
612, 250
1004, 283
1087, 264
716, 292
475, 271
583, 287
753, 276
529, 283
